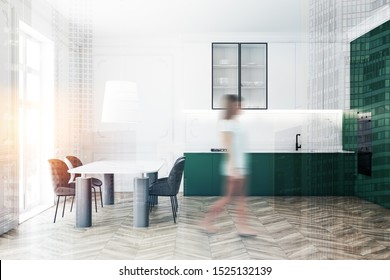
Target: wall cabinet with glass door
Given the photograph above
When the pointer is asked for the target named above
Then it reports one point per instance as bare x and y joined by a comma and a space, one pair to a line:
240, 69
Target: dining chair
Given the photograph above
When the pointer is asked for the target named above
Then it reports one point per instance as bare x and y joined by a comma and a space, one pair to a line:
168, 186
96, 183
154, 199
61, 185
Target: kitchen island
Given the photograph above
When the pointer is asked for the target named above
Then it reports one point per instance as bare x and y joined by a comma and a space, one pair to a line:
276, 173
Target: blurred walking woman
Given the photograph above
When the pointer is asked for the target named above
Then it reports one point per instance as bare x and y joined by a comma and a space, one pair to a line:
234, 168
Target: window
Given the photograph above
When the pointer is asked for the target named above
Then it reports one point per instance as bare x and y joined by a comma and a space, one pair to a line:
35, 106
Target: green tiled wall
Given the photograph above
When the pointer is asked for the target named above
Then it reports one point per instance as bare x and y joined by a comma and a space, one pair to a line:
370, 92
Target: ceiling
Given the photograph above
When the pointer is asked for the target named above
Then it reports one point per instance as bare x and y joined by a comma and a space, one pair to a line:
112, 17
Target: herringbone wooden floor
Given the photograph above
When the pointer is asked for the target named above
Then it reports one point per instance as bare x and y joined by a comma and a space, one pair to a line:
288, 228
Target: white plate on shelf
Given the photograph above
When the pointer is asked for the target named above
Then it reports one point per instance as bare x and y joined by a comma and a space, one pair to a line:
223, 81
224, 61
258, 83
246, 83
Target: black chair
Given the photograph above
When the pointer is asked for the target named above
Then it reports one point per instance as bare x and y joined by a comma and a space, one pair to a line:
96, 183
60, 180
155, 198
168, 186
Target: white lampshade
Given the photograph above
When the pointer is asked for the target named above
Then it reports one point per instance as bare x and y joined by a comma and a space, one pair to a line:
120, 103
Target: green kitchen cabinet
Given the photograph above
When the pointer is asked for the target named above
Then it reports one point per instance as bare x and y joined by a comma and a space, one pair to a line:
288, 174
202, 174
198, 173
276, 174
261, 176
217, 178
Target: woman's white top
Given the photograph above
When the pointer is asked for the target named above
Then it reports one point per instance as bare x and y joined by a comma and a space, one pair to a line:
235, 161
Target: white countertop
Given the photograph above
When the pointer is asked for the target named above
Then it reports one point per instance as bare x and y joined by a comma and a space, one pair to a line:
283, 152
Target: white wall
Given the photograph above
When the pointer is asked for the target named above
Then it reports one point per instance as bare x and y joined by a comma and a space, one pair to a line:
41, 18
287, 69
173, 74
151, 65
271, 130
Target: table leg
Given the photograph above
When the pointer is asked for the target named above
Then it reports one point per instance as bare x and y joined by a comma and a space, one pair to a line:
140, 202
153, 178
108, 189
83, 202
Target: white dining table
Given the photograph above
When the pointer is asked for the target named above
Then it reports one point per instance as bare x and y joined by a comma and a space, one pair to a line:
146, 170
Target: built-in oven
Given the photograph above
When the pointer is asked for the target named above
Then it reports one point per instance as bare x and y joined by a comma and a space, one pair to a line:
364, 144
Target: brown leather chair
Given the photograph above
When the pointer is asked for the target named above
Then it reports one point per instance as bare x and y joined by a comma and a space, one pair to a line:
96, 183
60, 181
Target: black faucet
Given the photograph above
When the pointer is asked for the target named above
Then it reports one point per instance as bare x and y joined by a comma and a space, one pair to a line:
296, 142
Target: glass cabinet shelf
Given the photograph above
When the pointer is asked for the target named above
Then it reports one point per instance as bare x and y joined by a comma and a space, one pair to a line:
252, 66
240, 69
225, 66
